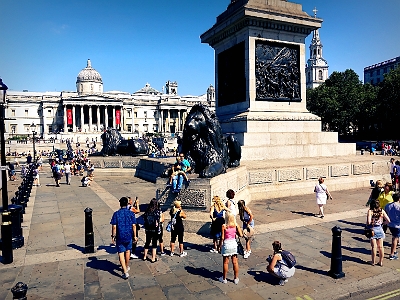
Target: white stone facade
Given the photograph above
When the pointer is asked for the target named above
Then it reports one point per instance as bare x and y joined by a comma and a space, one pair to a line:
89, 110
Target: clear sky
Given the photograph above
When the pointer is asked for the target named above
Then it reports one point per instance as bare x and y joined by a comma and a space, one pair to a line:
45, 43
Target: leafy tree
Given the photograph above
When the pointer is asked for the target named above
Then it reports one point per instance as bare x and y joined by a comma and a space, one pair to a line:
342, 102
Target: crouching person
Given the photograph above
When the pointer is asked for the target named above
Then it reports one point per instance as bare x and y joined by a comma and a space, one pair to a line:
279, 266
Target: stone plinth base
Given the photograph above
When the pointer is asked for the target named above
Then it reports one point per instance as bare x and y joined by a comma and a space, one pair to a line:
277, 135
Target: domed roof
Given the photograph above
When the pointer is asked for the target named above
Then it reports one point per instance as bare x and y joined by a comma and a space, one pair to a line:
89, 74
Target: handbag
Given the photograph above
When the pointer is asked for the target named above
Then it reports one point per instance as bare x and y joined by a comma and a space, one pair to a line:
327, 195
368, 232
170, 225
248, 232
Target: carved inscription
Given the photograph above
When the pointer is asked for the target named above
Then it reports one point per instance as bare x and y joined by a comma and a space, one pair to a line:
340, 170
290, 175
359, 169
189, 198
317, 172
262, 177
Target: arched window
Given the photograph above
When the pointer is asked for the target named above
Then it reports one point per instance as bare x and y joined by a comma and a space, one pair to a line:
81, 87
320, 76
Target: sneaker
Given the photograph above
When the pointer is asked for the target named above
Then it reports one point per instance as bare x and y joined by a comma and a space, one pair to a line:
169, 184
162, 253
128, 269
392, 257
246, 255
213, 250
236, 280
183, 254
172, 254
221, 279
282, 282
125, 275
134, 256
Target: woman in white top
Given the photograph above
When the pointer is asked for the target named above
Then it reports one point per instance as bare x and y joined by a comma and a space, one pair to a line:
230, 203
322, 194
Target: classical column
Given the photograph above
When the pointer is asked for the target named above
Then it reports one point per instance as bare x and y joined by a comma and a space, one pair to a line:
65, 119
73, 118
169, 121
105, 117
122, 117
82, 118
113, 116
179, 120
90, 118
44, 123
98, 117
133, 119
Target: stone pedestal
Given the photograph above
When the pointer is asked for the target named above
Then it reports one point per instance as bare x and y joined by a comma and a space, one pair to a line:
261, 84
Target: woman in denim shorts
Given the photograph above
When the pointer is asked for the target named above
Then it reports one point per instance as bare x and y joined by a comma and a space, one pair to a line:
375, 218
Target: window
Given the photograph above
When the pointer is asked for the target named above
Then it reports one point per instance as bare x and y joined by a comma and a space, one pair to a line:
384, 70
26, 112
371, 74
50, 128
27, 128
136, 127
13, 128
81, 87
13, 112
135, 114
146, 127
320, 75
129, 126
129, 113
155, 128
319, 51
49, 113
378, 72
372, 81
145, 114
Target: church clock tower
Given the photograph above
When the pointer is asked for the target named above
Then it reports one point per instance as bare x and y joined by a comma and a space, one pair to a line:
317, 66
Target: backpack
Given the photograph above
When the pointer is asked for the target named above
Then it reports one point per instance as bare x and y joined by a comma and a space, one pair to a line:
151, 221
288, 258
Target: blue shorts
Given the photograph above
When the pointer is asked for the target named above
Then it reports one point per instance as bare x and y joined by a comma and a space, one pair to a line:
378, 233
123, 247
395, 231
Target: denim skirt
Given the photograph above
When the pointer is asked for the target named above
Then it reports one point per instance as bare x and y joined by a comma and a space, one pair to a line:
378, 232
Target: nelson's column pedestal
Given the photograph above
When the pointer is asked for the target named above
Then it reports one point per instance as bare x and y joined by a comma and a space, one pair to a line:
261, 84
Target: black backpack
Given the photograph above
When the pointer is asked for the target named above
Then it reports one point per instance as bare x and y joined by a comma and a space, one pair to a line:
151, 221
288, 258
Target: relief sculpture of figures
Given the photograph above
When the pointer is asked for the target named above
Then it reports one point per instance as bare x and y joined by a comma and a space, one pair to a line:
205, 147
277, 72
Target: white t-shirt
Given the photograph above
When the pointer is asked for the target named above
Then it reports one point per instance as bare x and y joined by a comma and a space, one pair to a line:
67, 168
230, 203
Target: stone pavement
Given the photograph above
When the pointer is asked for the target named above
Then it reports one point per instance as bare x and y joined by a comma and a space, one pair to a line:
53, 265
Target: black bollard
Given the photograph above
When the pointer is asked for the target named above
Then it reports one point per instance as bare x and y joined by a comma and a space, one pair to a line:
17, 240
89, 235
336, 259
19, 291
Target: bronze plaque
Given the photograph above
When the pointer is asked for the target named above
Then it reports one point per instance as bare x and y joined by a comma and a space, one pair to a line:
277, 71
231, 75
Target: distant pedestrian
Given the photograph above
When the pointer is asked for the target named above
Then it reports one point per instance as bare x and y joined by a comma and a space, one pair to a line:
35, 174
277, 266
376, 191
151, 218
246, 216
229, 247
67, 171
393, 212
217, 215
322, 194
123, 226
134, 206
375, 218
178, 229
230, 203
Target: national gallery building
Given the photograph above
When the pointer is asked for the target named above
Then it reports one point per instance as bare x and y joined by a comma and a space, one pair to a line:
89, 110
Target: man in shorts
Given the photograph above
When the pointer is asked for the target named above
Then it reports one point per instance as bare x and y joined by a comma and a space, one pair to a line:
123, 225
393, 212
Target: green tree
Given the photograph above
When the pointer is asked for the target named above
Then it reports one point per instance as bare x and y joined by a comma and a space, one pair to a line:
388, 105
341, 102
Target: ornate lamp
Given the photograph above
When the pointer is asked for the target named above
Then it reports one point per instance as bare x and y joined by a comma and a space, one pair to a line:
33, 130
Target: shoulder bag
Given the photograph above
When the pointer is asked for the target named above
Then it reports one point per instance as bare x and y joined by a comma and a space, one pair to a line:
170, 225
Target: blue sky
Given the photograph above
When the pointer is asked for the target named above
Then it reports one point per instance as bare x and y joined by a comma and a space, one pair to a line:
45, 43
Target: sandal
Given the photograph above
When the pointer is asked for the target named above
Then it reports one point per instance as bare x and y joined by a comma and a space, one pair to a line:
153, 261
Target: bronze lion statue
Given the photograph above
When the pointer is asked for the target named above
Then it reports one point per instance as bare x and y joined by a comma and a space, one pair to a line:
207, 150
114, 144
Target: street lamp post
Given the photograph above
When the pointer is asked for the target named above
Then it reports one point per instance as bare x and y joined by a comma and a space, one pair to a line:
6, 233
33, 130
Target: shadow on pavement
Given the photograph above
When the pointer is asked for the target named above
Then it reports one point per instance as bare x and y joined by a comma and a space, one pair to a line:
76, 247
352, 223
358, 250
316, 271
358, 231
302, 213
261, 276
204, 272
103, 265
201, 248
109, 249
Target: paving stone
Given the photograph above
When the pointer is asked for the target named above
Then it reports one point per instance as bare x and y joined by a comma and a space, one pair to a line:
149, 293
